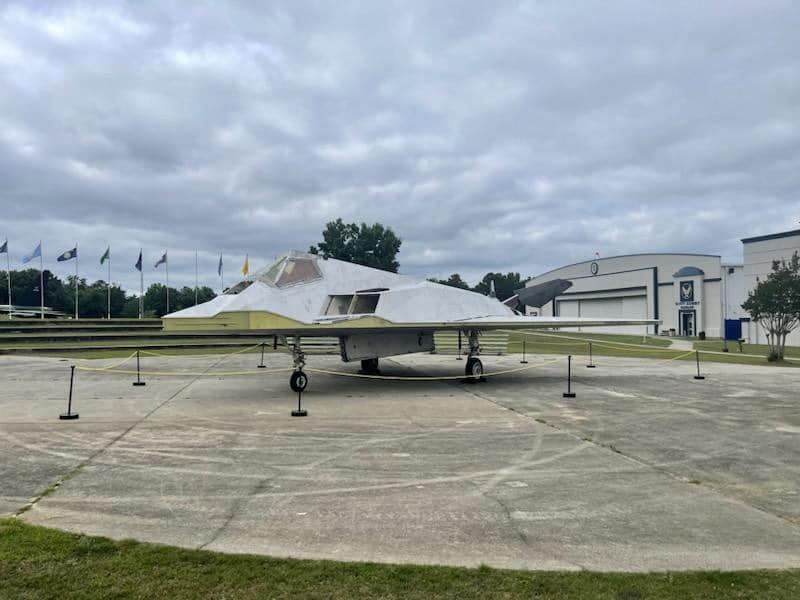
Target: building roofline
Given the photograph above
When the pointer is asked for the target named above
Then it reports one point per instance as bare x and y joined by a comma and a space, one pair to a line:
771, 236
590, 261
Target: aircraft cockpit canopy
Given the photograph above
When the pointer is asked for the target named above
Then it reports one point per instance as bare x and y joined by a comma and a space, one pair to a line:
294, 269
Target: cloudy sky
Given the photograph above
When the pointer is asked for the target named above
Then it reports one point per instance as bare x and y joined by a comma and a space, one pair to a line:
489, 135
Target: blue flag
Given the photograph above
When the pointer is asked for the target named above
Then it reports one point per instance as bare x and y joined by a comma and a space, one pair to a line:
4, 248
161, 260
219, 267
138, 264
68, 255
35, 254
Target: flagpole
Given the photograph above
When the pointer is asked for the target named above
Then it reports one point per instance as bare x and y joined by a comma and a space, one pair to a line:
109, 285
167, 264
195, 277
41, 279
8, 276
221, 275
76, 280
141, 287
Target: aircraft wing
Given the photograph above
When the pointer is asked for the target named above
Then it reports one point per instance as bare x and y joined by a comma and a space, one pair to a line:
352, 324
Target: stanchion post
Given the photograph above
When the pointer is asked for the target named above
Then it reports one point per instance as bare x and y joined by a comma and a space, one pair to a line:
591, 364
262, 365
138, 372
523, 361
569, 393
300, 412
697, 359
69, 415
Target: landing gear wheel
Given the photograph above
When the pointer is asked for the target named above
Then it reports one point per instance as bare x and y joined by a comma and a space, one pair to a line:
473, 369
298, 381
370, 366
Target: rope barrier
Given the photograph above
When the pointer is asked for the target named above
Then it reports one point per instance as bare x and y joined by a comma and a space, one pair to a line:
108, 367
310, 370
600, 343
429, 378
164, 355
189, 373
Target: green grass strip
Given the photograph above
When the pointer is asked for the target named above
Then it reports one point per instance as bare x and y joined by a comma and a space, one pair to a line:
36, 562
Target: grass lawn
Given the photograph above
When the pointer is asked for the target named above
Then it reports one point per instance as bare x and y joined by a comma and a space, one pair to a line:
36, 562
603, 344
657, 348
733, 348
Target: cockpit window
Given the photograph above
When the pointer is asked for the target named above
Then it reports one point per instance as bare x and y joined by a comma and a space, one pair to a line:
291, 270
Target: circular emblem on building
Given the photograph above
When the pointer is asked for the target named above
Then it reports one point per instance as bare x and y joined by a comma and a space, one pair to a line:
594, 268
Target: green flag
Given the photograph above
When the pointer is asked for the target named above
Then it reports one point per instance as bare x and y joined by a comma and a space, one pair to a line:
106, 256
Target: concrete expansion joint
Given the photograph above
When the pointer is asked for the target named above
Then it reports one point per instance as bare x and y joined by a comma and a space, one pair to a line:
236, 507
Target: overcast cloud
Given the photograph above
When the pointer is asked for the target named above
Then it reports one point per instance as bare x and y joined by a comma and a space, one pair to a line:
489, 135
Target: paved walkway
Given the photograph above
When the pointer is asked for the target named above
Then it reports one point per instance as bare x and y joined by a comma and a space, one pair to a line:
681, 345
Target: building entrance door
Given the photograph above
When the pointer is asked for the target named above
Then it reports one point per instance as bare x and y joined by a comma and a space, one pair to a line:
687, 323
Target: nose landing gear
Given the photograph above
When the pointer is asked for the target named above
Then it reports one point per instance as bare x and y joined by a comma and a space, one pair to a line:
298, 380
474, 367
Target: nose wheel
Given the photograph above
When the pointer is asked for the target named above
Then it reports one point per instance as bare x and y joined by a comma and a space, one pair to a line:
298, 381
473, 369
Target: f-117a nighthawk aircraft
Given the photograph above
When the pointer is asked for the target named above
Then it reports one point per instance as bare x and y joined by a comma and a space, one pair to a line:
374, 313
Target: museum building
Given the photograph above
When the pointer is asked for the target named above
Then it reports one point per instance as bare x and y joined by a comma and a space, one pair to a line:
691, 294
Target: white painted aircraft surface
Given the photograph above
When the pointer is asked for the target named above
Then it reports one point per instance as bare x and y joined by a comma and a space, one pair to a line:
374, 313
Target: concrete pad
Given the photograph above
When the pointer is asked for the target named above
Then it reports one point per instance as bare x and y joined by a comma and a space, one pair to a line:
646, 469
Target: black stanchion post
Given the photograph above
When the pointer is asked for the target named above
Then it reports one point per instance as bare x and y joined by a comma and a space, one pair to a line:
262, 365
523, 361
569, 393
591, 364
459, 346
300, 412
69, 415
138, 372
697, 357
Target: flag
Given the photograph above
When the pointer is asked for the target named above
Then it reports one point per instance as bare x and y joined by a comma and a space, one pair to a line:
138, 264
161, 260
246, 266
4, 248
35, 254
68, 255
219, 266
106, 255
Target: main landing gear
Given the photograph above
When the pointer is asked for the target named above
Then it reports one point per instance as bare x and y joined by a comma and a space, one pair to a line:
474, 367
298, 379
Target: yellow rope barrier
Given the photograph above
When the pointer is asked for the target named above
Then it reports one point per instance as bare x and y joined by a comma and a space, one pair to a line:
188, 373
310, 370
164, 355
108, 367
428, 378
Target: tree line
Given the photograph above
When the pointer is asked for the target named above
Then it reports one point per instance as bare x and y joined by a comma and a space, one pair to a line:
93, 297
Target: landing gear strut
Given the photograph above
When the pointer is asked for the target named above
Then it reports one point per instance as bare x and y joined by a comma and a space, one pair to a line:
298, 379
474, 367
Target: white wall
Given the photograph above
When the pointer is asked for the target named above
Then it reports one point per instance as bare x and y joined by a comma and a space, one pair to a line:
758, 258
629, 282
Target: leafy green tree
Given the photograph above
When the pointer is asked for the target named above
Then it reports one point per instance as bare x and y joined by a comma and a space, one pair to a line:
130, 309
504, 285
25, 289
453, 281
369, 245
775, 304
